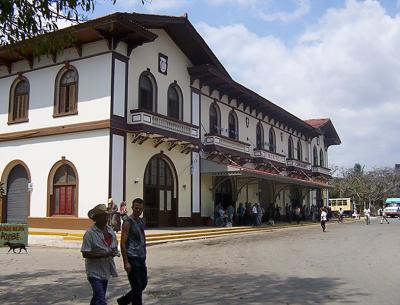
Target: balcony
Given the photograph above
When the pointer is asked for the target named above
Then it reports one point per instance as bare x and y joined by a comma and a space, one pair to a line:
297, 164
261, 155
215, 144
319, 170
162, 129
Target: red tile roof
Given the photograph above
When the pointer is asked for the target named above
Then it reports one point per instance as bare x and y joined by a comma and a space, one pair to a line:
316, 123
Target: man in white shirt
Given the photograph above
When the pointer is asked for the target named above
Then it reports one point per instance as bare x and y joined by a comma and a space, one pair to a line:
254, 214
99, 248
367, 213
323, 219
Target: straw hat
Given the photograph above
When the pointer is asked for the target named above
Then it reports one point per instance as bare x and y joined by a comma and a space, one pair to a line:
98, 210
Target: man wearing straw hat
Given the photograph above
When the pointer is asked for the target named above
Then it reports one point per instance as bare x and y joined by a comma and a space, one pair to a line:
99, 248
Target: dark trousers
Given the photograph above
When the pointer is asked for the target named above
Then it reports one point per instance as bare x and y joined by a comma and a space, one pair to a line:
138, 281
99, 288
323, 225
254, 216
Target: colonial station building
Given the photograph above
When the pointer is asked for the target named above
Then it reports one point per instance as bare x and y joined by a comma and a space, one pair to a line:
138, 105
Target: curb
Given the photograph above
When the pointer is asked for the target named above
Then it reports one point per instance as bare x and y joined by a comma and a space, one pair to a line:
65, 239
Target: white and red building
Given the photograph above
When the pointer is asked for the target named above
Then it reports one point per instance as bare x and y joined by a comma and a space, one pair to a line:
139, 106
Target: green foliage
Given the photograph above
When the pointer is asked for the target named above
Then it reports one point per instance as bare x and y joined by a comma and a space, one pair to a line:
2, 191
23, 19
366, 186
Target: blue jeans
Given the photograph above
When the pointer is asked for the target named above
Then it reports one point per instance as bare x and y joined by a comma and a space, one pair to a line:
99, 288
138, 281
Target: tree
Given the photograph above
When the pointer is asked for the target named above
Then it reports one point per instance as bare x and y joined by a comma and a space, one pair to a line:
371, 187
24, 19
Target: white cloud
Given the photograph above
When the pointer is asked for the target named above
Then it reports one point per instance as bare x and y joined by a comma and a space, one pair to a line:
153, 5
302, 9
262, 9
345, 67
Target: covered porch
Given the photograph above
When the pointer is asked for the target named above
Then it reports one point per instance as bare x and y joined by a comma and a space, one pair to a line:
276, 191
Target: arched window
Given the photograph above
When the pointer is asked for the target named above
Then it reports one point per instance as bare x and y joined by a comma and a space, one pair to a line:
214, 119
233, 131
19, 101
272, 141
259, 136
315, 156
290, 148
321, 158
147, 92
63, 200
175, 102
299, 151
66, 101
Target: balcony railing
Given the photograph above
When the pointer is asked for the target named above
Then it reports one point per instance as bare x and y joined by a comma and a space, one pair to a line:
298, 164
225, 142
164, 123
321, 170
268, 155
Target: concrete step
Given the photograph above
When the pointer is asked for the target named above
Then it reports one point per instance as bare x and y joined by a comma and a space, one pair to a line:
74, 239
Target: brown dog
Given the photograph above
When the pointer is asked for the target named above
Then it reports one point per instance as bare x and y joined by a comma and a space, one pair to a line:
15, 246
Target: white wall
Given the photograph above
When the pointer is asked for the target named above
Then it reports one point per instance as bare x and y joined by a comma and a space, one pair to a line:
119, 88
146, 57
88, 151
94, 91
117, 181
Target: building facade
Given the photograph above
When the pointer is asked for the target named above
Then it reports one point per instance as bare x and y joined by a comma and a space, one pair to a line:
138, 106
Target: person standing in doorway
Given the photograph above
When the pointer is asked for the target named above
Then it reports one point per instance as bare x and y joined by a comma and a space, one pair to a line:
240, 214
254, 214
99, 248
297, 213
133, 248
323, 219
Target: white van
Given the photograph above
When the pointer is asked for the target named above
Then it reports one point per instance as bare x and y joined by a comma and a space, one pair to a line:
392, 207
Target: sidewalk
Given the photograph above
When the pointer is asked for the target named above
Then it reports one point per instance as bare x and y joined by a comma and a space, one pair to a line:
73, 238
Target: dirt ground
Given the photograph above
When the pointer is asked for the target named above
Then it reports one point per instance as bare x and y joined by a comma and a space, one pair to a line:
349, 264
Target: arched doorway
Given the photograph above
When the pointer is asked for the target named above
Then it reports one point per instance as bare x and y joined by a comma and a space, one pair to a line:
223, 192
159, 193
17, 206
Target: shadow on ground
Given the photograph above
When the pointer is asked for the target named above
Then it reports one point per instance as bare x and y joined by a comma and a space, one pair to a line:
171, 287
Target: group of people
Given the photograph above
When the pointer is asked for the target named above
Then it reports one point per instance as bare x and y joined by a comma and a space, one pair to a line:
116, 215
100, 247
254, 214
247, 214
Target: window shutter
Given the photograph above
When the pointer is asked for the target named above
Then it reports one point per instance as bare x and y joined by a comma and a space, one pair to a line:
72, 97
62, 99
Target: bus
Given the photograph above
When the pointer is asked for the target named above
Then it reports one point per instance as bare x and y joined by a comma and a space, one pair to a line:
345, 203
392, 207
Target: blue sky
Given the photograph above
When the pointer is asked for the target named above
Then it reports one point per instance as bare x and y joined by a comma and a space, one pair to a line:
316, 58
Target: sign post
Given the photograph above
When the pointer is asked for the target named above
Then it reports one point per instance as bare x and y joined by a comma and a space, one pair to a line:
13, 233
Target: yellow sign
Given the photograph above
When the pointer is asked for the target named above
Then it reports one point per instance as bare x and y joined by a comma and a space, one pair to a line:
13, 233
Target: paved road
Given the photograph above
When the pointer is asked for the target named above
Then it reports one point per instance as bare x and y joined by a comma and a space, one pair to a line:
349, 264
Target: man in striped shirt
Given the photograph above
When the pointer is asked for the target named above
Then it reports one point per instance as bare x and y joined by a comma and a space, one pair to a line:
99, 248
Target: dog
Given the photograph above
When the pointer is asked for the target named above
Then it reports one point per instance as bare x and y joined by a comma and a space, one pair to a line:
15, 246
